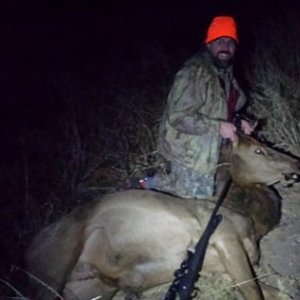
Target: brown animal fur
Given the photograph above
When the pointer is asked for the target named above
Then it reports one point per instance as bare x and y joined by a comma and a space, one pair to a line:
134, 240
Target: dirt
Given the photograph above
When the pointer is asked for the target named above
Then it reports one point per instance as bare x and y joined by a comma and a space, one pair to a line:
280, 248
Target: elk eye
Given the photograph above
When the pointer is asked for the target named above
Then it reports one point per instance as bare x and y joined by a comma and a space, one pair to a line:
258, 151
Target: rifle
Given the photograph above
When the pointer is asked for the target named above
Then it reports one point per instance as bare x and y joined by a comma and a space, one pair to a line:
188, 273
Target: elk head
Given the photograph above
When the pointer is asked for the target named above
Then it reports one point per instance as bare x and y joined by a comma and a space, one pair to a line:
253, 162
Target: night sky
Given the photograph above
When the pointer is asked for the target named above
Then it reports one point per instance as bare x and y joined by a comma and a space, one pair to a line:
45, 36
42, 39
53, 50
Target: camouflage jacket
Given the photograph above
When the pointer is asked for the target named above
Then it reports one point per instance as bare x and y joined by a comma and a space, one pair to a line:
189, 131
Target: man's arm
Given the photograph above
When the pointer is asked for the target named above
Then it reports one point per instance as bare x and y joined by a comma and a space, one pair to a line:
188, 101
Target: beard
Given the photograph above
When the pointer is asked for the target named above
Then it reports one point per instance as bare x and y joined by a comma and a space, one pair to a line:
222, 63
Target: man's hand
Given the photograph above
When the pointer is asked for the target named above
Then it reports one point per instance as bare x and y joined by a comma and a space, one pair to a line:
247, 127
227, 131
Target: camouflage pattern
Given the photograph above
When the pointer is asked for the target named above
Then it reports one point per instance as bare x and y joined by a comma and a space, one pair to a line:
184, 182
189, 132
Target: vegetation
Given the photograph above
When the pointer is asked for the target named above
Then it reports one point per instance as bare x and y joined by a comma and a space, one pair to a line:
273, 76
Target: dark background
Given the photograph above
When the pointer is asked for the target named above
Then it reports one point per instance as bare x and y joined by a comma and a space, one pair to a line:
52, 52
41, 40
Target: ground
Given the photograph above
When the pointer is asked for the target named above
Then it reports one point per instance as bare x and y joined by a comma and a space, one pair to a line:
281, 247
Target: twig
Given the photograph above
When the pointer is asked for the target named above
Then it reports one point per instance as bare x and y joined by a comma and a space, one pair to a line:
19, 295
253, 279
41, 282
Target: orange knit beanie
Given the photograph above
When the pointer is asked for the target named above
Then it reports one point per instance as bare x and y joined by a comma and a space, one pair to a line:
221, 27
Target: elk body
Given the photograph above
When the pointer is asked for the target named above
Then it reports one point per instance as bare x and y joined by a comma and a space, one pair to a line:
134, 240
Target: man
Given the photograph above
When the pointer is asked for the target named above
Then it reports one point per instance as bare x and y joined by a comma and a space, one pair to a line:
199, 115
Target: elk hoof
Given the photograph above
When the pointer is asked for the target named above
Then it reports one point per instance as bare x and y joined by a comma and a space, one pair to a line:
133, 296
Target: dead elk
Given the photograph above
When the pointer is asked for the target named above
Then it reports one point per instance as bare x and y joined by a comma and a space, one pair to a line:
134, 240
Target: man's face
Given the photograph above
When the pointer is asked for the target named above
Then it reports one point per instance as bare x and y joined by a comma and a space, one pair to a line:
222, 50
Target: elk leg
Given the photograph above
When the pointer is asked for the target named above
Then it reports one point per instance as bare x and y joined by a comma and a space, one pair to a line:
235, 260
85, 283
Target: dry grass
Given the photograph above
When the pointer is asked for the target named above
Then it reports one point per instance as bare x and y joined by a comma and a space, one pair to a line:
274, 77
209, 288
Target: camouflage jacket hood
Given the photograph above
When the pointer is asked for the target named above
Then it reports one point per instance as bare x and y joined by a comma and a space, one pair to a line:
197, 102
